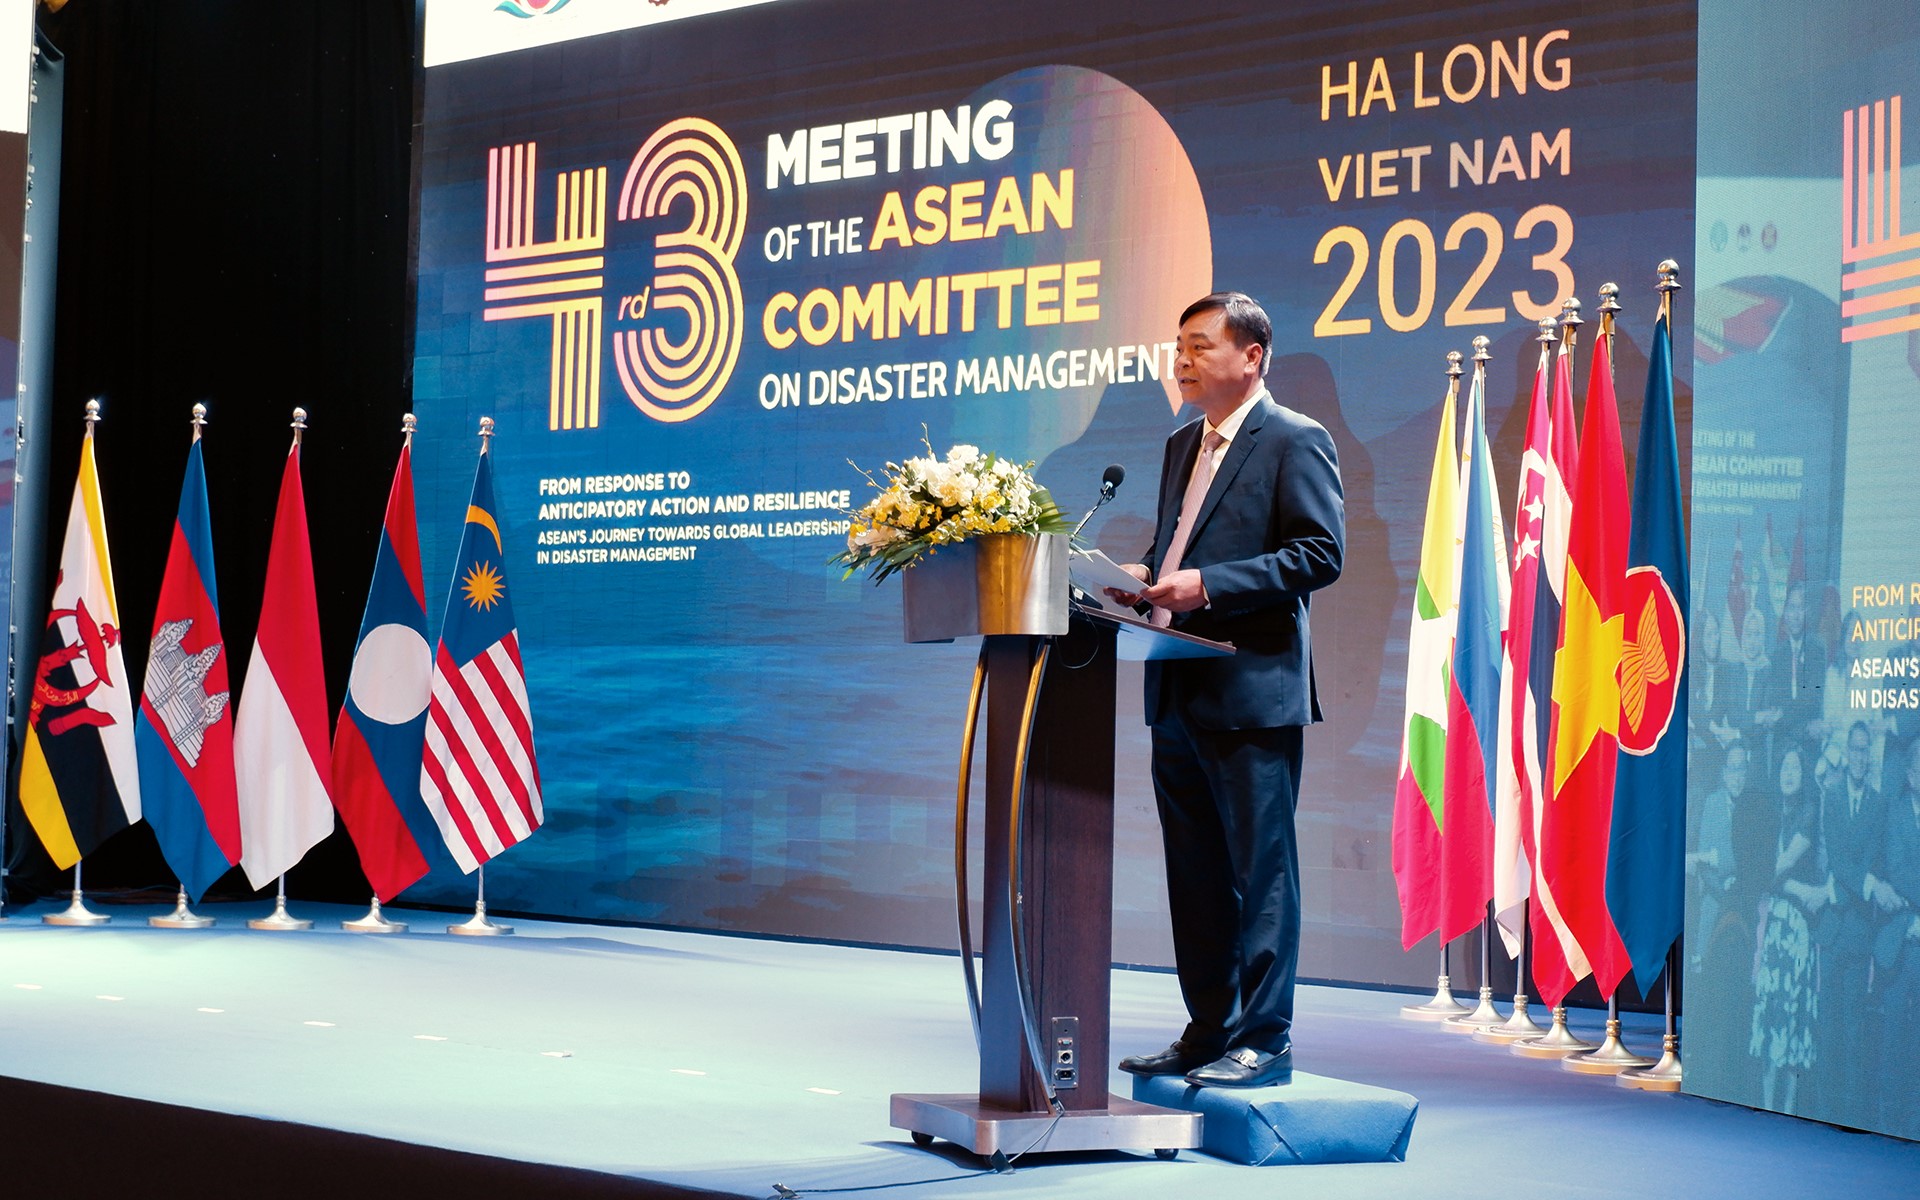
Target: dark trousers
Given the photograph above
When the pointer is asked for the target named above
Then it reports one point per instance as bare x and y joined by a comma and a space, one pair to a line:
1227, 801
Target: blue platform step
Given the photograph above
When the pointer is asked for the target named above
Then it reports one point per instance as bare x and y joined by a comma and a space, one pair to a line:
1314, 1119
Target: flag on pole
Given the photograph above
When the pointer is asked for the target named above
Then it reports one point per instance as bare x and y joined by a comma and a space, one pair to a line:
280, 736
1466, 844
1521, 730
1549, 959
184, 730
1419, 792
79, 775
1586, 703
478, 775
378, 741
1647, 847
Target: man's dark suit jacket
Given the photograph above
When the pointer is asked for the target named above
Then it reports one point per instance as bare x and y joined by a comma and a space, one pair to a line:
1271, 530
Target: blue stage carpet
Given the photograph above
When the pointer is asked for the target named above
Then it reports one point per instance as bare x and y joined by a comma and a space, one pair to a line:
733, 1064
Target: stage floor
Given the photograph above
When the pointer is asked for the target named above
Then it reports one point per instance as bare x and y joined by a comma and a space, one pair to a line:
735, 1064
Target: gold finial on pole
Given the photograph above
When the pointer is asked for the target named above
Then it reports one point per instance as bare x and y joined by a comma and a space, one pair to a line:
486, 433
1668, 285
408, 424
1609, 308
198, 420
1570, 323
93, 415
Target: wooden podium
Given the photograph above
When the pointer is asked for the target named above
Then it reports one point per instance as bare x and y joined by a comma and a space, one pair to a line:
1041, 1006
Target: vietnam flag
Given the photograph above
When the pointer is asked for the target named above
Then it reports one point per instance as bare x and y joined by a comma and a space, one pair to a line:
383, 720
1473, 722
1583, 750
1418, 792
280, 735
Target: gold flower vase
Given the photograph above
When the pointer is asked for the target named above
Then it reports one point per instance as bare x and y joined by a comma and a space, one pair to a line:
998, 583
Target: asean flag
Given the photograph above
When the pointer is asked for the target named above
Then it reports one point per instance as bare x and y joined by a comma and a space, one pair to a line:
383, 721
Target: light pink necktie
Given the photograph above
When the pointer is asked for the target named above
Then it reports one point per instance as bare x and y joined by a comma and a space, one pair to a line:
1197, 485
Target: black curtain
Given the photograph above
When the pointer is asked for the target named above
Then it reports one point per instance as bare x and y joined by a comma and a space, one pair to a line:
234, 229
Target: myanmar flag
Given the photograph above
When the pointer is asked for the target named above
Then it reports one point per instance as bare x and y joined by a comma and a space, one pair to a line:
1417, 798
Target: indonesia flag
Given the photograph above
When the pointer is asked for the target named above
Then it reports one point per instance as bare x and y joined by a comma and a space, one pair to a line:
280, 736
478, 776
1466, 846
184, 730
377, 743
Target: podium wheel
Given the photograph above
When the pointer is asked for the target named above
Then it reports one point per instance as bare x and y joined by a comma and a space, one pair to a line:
922, 1139
1168, 1155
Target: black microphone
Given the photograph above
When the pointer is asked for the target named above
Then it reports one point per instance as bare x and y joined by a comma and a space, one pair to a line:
1110, 481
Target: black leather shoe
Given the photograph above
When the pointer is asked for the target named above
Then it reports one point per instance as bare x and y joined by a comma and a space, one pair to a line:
1176, 1059
1245, 1067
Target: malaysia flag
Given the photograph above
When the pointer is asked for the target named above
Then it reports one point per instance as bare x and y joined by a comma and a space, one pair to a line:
383, 720
184, 730
478, 776
280, 736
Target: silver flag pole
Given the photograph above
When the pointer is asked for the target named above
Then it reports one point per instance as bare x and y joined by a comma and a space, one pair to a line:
181, 917
280, 921
76, 912
478, 925
1613, 1056
374, 922
1663, 1076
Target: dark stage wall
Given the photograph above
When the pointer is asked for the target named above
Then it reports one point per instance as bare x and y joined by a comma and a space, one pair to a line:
234, 229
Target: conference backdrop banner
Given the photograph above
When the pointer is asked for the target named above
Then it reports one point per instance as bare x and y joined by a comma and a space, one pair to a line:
709, 264
1803, 925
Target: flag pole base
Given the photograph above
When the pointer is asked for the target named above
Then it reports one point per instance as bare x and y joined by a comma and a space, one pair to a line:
76, 913
479, 926
1558, 1042
1518, 1027
280, 921
1442, 1006
1663, 1076
181, 917
1486, 1016
374, 922
1611, 1058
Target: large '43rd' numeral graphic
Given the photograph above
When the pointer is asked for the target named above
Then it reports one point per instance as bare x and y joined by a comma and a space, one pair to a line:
692, 169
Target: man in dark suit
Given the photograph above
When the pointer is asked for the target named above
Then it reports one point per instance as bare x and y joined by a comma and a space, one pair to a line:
1252, 522
1854, 826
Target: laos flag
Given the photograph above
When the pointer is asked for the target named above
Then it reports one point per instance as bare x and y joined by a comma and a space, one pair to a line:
183, 734
377, 742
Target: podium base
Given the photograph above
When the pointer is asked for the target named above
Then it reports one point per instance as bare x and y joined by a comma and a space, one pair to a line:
984, 1129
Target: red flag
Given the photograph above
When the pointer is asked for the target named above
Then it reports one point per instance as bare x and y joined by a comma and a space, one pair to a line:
280, 735
1584, 747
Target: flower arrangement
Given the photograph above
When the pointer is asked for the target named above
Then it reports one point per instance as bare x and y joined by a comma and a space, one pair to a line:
929, 502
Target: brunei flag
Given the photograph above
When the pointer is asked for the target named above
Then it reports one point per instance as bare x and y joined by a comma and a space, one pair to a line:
1418, 794
1646, 854
280, 736
1584, 745
383, 721
185, 727
1473, 703
79, 778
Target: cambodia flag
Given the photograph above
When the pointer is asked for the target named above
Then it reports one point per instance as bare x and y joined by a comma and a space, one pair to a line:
1466, 845
383, 721
1584, 752
280, 735
184, 730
